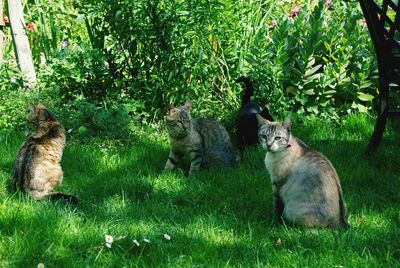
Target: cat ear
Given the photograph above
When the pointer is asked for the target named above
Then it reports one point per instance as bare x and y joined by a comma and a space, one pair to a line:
188, 105
40, 106
261, 120
169, 108
287, 123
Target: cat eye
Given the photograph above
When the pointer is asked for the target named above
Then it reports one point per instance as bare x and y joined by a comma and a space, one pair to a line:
263, 136
277, 138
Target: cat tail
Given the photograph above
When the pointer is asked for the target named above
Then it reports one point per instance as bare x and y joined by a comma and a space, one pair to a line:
57, 196
265, 113
343, 212
14, 182
248, 89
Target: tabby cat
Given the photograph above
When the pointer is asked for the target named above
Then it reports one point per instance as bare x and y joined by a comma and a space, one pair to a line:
37, 168
205, 141
246, 123
305, 184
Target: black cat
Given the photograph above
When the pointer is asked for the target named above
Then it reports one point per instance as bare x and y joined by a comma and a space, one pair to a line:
247, 124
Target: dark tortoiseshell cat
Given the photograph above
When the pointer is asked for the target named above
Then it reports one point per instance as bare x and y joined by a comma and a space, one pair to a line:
205, 141
305, 184
37, 168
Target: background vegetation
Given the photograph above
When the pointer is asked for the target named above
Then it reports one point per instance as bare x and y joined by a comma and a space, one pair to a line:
101, 62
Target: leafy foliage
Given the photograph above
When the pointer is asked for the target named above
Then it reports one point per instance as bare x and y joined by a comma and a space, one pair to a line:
320, 62
52, 23
311, 58
12, 97
317, 59
79, 70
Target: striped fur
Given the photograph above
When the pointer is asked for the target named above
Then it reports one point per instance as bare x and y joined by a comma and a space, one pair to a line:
305, 184
205, 141
37, 168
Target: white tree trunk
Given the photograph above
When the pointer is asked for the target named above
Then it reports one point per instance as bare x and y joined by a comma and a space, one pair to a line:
2, 44
2, 36
21, 42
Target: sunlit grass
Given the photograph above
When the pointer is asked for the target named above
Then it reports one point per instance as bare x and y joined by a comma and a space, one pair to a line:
219, 218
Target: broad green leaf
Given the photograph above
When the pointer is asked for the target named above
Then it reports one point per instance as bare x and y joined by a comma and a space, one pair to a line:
183, 13
313, 70
330, 92
361, 108
364, 96
310, 91
313, 109
366, 84
292, 90
311, 62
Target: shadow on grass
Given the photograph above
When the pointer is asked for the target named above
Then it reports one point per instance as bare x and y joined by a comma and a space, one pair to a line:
244, 192
122, 185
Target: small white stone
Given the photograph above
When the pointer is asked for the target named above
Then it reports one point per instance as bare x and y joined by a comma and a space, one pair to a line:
136, 242
167, 237
147, 240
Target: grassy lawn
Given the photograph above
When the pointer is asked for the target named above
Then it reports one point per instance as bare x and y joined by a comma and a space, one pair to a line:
220, 218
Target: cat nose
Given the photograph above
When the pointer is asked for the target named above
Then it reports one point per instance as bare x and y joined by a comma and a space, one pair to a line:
269, 144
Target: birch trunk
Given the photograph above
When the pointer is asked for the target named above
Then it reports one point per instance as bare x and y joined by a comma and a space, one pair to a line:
21, 43
2, 36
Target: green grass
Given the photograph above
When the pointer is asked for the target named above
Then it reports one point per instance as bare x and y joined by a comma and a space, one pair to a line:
220, 218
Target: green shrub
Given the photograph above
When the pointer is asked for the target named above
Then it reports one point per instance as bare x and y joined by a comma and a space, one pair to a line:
320, 62
144, 55
79, 70
12, 97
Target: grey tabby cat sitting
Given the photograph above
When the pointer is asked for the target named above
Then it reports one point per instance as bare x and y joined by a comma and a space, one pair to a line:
205, 141
305, 184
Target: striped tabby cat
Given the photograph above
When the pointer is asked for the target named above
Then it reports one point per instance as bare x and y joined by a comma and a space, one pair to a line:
205, 141
37, 168
306, 186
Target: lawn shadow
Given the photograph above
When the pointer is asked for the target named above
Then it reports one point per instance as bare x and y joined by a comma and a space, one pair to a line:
243, 193
121, 186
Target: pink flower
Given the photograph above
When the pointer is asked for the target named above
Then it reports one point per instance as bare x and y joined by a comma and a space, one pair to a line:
364, 23
328, 4
30, 26
295, 10
272, 24
64, 44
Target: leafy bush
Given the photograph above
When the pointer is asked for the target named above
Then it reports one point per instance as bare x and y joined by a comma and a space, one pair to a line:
52, 25
60, 89
12, 98
77, 83
311, 59
166, 51
318, 62
79, 70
